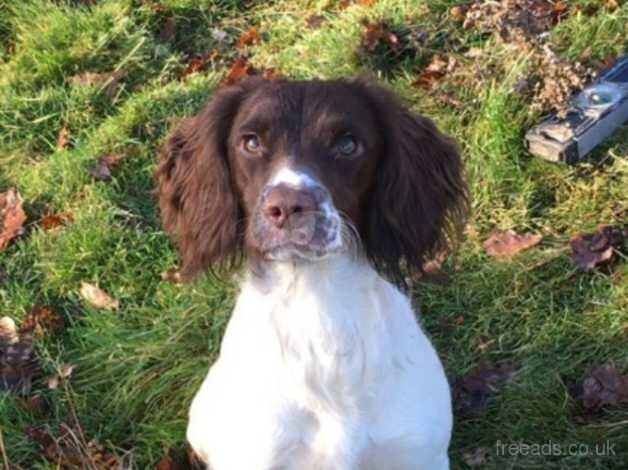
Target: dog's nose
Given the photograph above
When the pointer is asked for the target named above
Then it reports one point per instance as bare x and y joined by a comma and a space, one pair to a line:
281, 202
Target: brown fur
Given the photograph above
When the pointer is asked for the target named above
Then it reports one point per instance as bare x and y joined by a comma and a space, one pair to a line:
406, 194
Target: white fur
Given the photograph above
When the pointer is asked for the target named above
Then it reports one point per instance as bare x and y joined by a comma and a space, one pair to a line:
295, 178
323, 366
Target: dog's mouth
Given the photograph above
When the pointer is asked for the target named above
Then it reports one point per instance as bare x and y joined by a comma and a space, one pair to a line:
309, 236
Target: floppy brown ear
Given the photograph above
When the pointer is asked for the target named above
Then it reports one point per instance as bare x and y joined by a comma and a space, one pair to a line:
419, 202
199, 208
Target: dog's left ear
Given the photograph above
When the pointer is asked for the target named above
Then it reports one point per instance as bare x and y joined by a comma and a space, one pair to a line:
419, 202
199, 206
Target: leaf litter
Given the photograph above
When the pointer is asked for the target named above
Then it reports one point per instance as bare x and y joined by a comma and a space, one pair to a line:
508, 243
18, 362
12, 217
600, 387
102, 170
599, 248
474, 392
70, 450
96, 297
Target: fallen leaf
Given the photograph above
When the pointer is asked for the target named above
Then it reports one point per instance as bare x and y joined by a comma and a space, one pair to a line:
377, 34
315, 21
601, 386
63, 138
459, 12
249, 38
199, 63
239, 70
17, 366
97, 297
8, 332
64, 372
168, 31
107, 81
509, 243
476, 457
69, 450
102, 170
54, 221
435, 71
12, 217
590, 250
475, 391
41, 319
172, 275
515, 20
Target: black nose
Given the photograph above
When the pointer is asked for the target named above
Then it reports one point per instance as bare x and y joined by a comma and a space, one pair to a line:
281, 202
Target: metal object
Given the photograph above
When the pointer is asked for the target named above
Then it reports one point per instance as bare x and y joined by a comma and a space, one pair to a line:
593, 115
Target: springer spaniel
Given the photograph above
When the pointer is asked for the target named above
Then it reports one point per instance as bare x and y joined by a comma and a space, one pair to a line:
330, 191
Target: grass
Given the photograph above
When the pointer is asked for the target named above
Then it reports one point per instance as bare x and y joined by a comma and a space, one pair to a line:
137, 369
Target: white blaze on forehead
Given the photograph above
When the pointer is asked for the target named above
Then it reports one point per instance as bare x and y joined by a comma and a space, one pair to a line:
291, 177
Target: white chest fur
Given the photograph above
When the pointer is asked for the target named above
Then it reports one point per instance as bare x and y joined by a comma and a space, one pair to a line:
323, 366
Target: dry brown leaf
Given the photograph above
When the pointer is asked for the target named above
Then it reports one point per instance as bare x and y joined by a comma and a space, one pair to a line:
63, 138
436, 70
17, 366
172, 275
12, 217
41, 319
249, 38
590, 250
64, 372
97, 297
70, 451
199, 63
315, 21
515, 20
601, 386
475, 391
379, 34
107, 81
459, 12
54, 221
239, 70
509, 243
102, 170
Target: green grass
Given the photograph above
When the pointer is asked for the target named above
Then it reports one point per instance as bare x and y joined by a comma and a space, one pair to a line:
138, 368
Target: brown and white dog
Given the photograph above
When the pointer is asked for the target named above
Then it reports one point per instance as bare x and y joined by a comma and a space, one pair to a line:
328, 192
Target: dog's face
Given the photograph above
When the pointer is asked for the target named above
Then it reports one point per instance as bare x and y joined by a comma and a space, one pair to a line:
283, 170
302, 156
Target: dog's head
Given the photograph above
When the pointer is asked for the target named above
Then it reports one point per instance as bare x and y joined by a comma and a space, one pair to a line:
283, 170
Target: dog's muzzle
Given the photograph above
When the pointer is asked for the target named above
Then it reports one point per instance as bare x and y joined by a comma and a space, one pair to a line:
297, 222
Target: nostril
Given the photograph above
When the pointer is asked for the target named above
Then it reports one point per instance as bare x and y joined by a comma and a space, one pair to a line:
274, 212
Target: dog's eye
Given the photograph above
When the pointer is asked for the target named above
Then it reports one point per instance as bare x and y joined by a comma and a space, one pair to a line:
251, 143
347, 145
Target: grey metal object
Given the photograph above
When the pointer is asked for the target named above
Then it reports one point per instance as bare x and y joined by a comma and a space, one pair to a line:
593, 115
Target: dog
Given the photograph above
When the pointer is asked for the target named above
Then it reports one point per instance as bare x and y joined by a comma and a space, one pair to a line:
329, 193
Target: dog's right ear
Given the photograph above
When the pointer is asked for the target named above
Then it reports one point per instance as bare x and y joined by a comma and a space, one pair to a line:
199, 207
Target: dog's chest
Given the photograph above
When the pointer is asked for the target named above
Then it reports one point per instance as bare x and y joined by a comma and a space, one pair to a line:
322, 338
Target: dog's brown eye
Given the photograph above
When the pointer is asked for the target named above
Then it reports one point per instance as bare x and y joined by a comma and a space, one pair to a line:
347, 144
252, 143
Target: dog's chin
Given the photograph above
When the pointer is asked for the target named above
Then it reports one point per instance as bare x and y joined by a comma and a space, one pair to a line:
305, 253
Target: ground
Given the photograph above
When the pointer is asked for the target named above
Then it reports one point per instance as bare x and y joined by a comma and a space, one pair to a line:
83, 80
